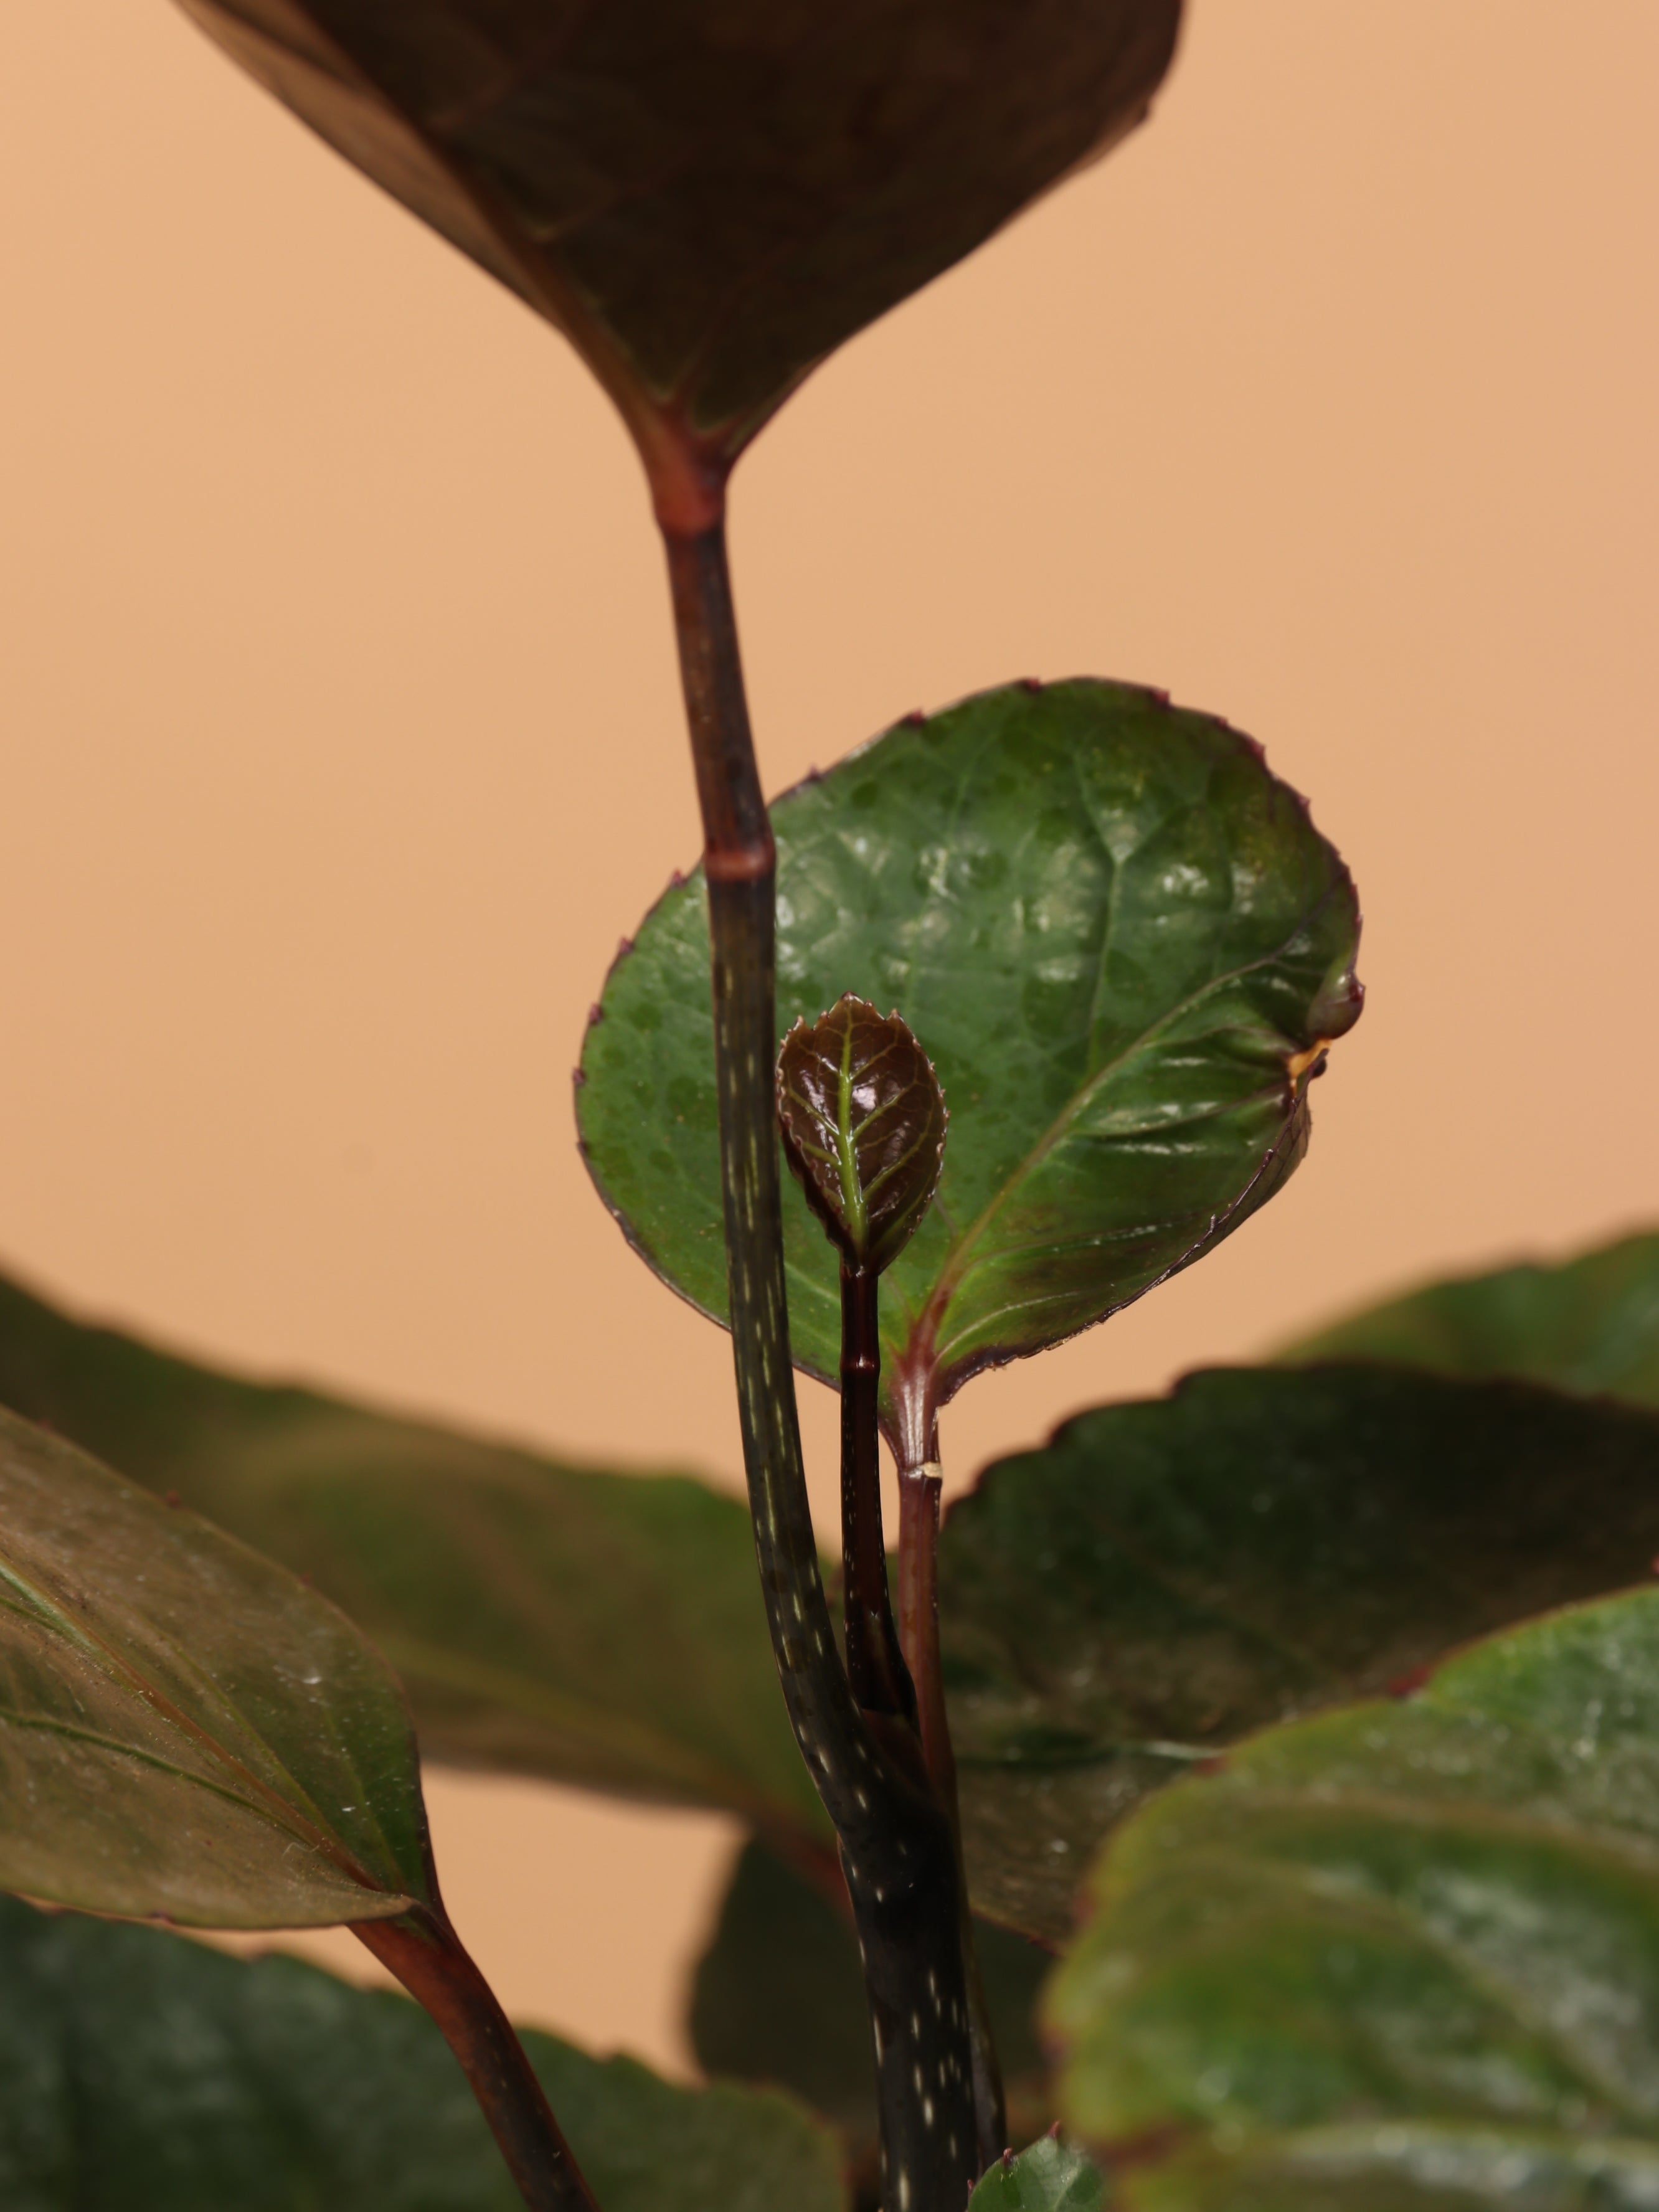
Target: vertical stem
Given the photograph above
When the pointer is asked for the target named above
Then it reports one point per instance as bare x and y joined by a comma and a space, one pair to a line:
875, 1664
919, 1519
425, 1953
897, 1846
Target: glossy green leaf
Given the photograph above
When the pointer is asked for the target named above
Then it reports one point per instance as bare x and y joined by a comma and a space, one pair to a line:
1165, 1578
1122, 943
1405, 1953
1051, 2177
185, 1728
142, 2073
863, 1122
709, 196
591, 1627
1589, 1324
778, 1997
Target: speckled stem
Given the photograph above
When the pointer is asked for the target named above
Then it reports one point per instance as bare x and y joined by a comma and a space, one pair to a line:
919, 1517
875, 1664
895, 1842
423, 1951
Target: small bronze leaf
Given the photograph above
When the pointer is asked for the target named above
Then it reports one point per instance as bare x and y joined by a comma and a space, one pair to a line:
863, 1120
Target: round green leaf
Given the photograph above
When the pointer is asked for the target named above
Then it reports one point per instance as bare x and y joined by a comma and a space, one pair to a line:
1405, 1953
588, 1626
1589, 1324
1123, 945
142, 2073
1163, 1579
709, 196
185, 1728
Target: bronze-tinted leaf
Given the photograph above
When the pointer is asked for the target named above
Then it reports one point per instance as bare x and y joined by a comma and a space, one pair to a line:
863, 1120
709, 196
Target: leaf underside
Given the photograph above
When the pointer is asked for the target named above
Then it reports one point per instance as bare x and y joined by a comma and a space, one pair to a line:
143, 2073
590, 1627
185, 1728
1589, 1324
1120, 942
1165, 1577
1405, 1954
709, 196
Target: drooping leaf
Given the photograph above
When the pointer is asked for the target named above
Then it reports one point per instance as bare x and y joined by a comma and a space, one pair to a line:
1589, 1324
1401, 1955
778, 1997
1052, 2176
603, 1629
709, 196
142, 2073
1165, 1577
185, 1728
1122, 943
863, 1121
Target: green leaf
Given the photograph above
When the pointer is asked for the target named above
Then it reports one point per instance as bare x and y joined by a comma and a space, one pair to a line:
778, 1997
863, 1122
1051, 2177
590, 1627
1122, 944
1590, 1324
709, 196
1404, 1954
141, 2073
1165, 1577
185, 1728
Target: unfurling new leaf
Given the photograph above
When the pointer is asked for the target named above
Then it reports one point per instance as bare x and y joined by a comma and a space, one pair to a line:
863, 1120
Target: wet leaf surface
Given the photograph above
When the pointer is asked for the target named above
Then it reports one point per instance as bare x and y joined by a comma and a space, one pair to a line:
1404, 1953
185, 1728
142, 2073
1120, 942
863, 1122
1589, 1324
586, 1626
708, 195
1165, 1577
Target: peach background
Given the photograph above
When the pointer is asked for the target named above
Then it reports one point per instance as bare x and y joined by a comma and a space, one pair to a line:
343, 738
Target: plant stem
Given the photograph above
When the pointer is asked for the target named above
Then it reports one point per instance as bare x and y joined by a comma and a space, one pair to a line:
919, 1520
897, 1846
875, 1664
423, 1951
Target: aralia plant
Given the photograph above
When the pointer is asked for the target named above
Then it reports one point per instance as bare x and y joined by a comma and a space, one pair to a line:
1317, 1690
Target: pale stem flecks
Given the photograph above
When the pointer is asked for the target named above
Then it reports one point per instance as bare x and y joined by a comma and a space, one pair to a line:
898, 1850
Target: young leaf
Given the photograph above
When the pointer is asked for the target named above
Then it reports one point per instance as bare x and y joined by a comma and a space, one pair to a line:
141, 2073
1163, 1579
1051, 2177
863, 1121
591, 1627
1403, 1955
1123, 945
778, 1997
1589, 1324
186, 1730
707, 198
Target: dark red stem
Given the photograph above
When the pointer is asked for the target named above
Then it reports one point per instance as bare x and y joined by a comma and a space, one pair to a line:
423, 1951
898, 1850
875, 1664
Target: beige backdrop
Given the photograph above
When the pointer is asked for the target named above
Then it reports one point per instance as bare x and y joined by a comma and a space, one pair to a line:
343, 739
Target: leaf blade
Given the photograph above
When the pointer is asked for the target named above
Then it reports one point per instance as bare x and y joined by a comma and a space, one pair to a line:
1459, 1893
1165, 1578
1120, 941
186, 1730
